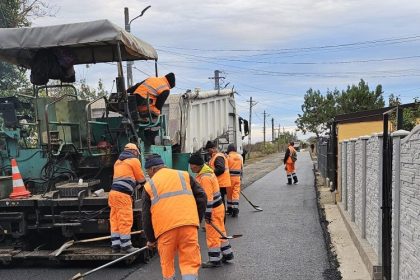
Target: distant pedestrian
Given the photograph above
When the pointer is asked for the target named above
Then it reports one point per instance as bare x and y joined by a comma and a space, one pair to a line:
290, 158
173, 206
218, 250
244, 153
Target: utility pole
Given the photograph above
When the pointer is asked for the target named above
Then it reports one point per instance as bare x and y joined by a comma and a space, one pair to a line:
272, 130
127, 25
217, 79
278, 139
251, 104
265, 116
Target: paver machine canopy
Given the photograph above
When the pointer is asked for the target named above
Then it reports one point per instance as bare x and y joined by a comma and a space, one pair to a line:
69, 144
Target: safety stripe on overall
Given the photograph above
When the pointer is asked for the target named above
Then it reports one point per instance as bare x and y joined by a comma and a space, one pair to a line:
150, 89
235, 172
215, 254
226, 248
126, 182
125, 240
115, 239
157, 197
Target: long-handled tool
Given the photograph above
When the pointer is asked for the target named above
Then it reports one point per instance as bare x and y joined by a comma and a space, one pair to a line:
222, 235
72, 242
256, 207
81, 275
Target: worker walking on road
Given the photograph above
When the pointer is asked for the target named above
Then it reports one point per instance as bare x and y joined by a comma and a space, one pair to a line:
173, 206
218, 250
219, 163
289, 164
235, 162
128, 175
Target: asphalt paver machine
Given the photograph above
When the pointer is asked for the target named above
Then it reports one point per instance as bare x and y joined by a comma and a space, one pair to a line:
64, 153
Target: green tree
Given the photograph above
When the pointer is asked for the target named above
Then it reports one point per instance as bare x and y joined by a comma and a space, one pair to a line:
319, 110
14, 14
359, 98
410, 115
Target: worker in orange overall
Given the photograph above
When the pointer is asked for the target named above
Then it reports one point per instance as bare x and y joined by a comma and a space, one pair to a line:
173, 206
219, 163
156, 89
235, 162
289, 164
218, 250
128, 176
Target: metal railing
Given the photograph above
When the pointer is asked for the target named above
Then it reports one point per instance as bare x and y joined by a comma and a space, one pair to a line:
322, 149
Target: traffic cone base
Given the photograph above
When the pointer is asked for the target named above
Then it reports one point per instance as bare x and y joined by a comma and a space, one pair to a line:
19, 190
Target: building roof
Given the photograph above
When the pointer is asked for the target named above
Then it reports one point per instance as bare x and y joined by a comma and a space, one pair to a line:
369, 115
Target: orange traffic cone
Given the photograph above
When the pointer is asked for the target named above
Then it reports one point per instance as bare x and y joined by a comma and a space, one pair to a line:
19, 190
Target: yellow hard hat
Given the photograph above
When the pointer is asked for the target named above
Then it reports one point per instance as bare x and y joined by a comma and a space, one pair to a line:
131, 146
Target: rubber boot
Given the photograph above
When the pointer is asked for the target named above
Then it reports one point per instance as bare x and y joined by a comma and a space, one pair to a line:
295, 180
116, 249
227, 258
229, 211
289, 181
235, 212
211, 264
128, 249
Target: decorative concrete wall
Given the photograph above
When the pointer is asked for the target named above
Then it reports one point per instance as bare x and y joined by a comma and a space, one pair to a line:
358, 183
409, 227
361, 173
373, 190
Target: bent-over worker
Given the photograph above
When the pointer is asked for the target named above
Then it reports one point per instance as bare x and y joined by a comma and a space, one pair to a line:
127, 176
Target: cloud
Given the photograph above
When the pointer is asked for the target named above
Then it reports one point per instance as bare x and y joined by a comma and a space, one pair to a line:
184, 31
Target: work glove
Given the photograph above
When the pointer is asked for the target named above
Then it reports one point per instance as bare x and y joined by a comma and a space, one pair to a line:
207, 217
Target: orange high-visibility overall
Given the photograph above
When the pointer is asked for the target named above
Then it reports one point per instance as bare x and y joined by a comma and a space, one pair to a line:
175, 222
216, 211
127, 174
235, 168
152, 87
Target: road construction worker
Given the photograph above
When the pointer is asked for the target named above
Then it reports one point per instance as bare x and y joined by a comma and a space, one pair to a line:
157, 90
235, 162
289, 164
219, 163
173, 206
218, 250
128, 176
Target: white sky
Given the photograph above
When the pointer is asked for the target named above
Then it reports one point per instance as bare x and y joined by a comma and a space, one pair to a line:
273, 51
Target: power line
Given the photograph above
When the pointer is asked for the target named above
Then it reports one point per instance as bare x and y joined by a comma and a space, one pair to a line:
368, 42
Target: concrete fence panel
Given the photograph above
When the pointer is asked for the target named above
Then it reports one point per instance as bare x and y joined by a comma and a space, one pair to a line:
408, 257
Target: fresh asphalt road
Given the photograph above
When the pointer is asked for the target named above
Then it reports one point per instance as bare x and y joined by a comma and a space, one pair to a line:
284, 241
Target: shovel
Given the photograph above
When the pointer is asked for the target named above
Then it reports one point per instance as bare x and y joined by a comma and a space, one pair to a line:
81, 275
222, 236
256, 207
72, 242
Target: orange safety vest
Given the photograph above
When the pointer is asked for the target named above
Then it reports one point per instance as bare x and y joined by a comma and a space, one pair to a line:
152, 87
224, 179
173, 203
208, 182
127, 174
235, 164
